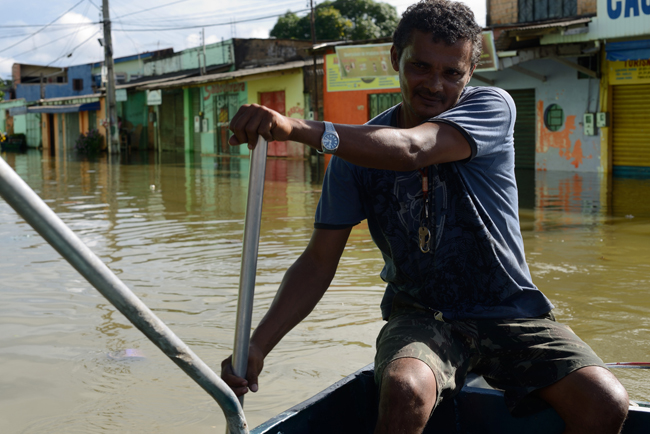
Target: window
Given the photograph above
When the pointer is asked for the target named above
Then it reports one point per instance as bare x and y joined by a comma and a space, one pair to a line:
380, 102
530, 10
554, 117
120, 77
77, 84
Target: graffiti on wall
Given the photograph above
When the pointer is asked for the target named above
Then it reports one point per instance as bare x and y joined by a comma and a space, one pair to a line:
560, 140
296, 110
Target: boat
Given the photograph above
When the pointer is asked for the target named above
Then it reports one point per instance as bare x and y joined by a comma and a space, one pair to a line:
350, 406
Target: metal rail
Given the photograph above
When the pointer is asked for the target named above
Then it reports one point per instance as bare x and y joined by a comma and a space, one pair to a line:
28, 205
249, 259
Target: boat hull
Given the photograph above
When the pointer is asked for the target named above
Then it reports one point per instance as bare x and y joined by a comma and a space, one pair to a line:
350, 406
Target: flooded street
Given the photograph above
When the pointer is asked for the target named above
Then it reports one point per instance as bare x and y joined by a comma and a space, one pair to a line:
170, 227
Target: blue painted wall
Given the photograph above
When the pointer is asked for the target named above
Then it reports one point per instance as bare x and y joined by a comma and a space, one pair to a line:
32, 92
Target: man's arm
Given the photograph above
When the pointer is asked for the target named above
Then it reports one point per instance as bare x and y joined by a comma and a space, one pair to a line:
302, 287
400, 149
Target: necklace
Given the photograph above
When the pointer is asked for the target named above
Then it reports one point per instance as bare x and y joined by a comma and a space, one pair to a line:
424, 233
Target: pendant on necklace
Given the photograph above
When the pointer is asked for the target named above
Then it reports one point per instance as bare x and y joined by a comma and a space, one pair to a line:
424, 236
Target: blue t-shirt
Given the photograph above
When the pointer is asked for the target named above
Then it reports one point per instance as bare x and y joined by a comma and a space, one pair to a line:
476, 266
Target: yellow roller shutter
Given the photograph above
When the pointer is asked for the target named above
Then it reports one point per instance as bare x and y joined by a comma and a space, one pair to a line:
631, 125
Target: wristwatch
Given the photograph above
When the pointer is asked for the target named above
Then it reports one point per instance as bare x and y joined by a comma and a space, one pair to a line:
330, 141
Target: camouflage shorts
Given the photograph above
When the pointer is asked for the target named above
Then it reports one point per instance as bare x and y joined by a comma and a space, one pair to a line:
518, 356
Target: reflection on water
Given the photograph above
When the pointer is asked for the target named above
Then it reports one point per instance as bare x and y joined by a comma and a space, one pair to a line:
170, 226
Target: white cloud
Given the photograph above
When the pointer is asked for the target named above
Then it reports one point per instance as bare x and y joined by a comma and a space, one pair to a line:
5, 67
258, 32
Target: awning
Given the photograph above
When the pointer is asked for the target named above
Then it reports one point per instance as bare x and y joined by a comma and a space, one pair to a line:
628, 50
65, 108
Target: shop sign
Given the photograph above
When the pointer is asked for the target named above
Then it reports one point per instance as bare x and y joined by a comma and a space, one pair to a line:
489, 60
154, 97
120, 95
618, 18
337, 83
363, 61
629, 72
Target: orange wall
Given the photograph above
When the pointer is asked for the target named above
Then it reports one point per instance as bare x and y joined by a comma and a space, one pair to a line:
349, 107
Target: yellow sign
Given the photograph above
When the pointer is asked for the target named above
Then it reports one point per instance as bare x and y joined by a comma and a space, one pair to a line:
489, 60
629, 72
337, 83
365, 60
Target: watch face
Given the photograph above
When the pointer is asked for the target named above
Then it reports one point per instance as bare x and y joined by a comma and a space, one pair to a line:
330, 141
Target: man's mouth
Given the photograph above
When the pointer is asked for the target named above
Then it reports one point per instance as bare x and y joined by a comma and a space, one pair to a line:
431, 99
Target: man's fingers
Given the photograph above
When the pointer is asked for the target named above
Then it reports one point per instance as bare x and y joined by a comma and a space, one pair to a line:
239, 123
250, 122
252, 380
238, 385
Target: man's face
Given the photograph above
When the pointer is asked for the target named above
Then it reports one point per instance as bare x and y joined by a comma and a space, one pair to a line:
432, 76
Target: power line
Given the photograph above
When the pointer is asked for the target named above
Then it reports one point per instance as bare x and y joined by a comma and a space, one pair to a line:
65, 49
15, 26
38, 31
98, 8
150, 9
257, 7
208, 25
40, 46
64, 55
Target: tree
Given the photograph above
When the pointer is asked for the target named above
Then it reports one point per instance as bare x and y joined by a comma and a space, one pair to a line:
340, 19
2, 86
329, 25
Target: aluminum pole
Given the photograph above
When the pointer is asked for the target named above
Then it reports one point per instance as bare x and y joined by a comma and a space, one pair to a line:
249, 259
27, 203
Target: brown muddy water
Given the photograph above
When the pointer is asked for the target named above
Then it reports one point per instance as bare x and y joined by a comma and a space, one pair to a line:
171, 227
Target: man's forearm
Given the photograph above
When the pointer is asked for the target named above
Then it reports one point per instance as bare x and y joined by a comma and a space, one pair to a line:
389, 148
301, 289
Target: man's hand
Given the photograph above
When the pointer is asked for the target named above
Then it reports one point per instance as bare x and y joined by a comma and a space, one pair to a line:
253, 120
240, 385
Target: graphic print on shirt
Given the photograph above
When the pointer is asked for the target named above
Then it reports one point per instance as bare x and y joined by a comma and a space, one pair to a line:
410, 212
462, 274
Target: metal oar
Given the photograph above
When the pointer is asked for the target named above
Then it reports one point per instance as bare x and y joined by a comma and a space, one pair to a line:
630, 365
249, 259
27, 203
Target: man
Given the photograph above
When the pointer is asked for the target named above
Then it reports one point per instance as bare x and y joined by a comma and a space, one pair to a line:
434, 177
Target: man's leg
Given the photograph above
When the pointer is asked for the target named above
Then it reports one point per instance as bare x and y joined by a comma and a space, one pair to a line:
407, 397
590, 400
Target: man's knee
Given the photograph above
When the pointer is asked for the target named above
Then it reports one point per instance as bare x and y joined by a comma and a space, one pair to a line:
590, 400
609, 402
409, 382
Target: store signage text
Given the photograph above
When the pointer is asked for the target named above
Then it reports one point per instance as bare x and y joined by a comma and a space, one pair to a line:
617, 7
223, 88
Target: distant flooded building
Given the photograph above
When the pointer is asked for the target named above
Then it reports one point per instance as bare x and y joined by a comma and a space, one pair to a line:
580, 75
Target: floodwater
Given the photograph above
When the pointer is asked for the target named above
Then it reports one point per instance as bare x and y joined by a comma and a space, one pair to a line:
171, 227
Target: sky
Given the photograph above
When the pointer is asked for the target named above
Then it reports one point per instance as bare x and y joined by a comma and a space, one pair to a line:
64, 32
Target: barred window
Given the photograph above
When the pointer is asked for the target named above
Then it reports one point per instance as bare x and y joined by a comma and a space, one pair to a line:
530, 10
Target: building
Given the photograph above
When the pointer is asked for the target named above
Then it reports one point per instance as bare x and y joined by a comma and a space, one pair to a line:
190, 108
576, 105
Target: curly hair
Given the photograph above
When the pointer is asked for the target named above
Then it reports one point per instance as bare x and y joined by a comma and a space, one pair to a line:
447, 21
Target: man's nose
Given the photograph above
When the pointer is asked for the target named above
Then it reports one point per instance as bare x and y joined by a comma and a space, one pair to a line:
434, 82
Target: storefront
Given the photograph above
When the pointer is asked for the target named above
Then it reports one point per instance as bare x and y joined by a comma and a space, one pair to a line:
629, 79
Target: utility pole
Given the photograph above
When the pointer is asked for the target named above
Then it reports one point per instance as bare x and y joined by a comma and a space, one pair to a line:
202, 69
313, 41
112, 135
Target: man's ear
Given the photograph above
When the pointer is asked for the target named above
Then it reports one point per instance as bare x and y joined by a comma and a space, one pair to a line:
394, 58
471, 72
